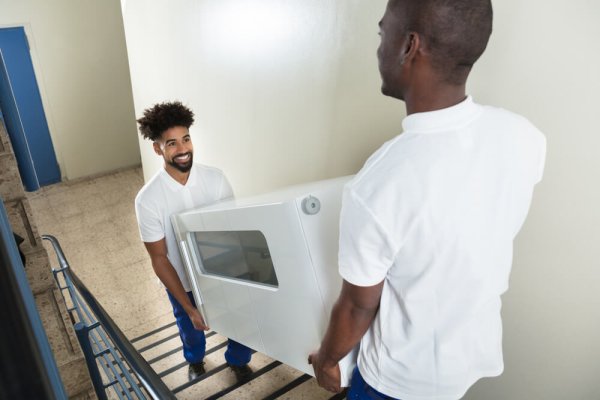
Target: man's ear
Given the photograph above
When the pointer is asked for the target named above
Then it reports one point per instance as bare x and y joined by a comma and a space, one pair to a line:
157, 148
410, 47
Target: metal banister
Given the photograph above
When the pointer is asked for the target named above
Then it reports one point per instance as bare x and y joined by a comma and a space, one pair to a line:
149, 379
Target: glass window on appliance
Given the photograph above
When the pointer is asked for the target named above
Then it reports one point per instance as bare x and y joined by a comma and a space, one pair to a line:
242, 255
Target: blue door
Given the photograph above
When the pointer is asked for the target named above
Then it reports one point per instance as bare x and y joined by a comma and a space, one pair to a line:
23, 113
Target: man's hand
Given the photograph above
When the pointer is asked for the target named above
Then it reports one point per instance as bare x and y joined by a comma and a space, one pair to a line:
197, 320
328, 376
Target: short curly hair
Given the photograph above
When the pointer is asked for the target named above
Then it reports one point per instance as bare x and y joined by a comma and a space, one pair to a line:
163, 116
457, 32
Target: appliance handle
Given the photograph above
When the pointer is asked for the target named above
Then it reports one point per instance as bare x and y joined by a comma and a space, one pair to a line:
193, 279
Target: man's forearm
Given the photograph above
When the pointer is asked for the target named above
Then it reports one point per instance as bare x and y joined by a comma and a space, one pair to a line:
351, 316
168, 276
347, 325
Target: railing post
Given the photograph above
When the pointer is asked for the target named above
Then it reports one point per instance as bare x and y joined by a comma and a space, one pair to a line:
83, 336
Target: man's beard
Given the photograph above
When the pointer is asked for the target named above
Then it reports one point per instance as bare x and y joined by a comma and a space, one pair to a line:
182, 167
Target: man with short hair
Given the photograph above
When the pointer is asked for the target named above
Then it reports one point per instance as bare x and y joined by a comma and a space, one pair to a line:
180, 185
427, 225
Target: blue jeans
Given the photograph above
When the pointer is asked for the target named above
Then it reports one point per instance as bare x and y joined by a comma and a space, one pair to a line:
194, 341
361, 390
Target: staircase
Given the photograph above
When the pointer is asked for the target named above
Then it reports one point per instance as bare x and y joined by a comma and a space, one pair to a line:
157, 359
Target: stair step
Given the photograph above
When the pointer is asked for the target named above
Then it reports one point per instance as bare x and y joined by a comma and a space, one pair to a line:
153, 332
271, 380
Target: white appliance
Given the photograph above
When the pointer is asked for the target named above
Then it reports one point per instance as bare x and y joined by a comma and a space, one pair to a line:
264, 269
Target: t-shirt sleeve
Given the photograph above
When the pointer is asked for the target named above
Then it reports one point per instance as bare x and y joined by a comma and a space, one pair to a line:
226, 190
150, 223
541, 160
365, 253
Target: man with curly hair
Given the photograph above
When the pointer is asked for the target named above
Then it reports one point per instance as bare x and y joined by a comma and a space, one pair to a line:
427, 225
179, 185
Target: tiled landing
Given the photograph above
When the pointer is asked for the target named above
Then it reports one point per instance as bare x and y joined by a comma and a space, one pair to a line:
94, 221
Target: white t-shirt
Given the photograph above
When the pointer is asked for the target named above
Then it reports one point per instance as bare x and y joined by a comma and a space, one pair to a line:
162, 196
434, 213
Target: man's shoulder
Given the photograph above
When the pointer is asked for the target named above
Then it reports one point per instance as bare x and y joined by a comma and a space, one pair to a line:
505, 116
150, 189
512, 127
392, 158
207, 171
389, 173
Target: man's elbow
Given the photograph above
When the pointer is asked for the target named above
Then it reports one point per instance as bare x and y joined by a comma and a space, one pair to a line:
159, 262
359, 310
362, 300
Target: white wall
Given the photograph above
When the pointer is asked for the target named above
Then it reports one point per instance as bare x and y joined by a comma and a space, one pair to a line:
280, 98
544, 62
80, 60
288, 91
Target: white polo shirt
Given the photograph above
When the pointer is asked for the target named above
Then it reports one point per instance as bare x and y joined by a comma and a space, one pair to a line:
162, 196
434, 213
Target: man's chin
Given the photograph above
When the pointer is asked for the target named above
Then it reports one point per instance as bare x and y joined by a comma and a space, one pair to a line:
390, 93
186, 167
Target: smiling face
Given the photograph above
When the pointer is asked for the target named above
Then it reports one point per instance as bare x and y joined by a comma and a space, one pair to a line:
175, 146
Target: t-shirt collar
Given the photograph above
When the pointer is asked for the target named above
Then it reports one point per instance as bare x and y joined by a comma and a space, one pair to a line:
173, 184
444, 119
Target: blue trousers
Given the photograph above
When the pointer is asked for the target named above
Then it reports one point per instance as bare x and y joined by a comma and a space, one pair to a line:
361, 390
194, 341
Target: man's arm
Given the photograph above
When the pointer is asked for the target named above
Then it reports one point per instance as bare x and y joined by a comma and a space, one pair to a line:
168, 276
351, 316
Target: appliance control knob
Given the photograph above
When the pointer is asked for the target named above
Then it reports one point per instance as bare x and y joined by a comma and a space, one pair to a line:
311, 205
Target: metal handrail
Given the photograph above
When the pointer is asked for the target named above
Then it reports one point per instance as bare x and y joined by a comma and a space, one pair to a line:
97, 346
149, 379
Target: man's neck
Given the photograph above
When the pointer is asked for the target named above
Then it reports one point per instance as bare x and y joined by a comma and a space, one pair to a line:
181, 177
434, 98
